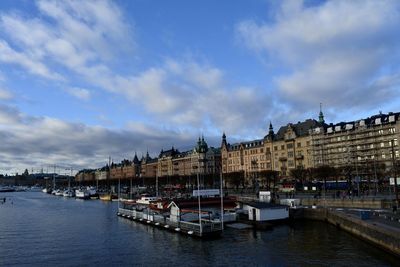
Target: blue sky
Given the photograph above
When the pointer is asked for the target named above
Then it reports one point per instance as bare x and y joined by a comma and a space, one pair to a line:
84, 80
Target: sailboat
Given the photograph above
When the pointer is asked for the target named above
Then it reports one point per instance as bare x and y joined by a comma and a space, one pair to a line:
69, 192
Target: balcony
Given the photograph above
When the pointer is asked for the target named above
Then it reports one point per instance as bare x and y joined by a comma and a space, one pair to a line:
282, 158
299, 157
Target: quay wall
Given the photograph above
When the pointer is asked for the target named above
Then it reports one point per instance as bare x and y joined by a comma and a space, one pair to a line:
382, 236
348, 203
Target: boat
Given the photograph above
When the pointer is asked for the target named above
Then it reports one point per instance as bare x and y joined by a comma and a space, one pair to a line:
59, 192
92, 192
5, 189
108, 197
82, 194
146, 199
35, 188
69, 193
45, 190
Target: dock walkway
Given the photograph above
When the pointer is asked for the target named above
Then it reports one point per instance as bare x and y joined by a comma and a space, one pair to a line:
209, 228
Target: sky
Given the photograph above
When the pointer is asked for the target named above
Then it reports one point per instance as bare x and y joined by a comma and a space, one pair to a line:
82, 81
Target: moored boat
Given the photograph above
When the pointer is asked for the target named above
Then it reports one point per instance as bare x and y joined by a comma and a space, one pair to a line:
82, 194
7, 189
92, 192
58, 192
108, 197
68, 193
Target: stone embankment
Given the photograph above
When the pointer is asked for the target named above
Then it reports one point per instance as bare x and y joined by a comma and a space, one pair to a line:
362, 203
384, 235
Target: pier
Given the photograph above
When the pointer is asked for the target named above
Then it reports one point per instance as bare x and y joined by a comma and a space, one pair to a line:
207, 229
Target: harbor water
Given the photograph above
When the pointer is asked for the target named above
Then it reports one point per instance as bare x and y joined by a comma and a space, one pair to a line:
37, 229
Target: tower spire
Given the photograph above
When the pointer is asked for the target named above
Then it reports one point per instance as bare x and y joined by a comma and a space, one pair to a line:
321, 115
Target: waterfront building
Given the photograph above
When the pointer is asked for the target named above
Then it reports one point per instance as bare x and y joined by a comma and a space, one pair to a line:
202, 159
101, 174
165, 165
148, 167
85, 175
171, 163
367, 146
288, 149
362, 148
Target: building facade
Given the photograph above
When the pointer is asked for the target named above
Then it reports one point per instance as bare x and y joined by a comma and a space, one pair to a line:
171, 163
367, 146
288, 149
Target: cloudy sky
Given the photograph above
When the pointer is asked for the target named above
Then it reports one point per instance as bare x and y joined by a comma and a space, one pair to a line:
84, 80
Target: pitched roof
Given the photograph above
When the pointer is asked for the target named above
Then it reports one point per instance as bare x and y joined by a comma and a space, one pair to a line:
300, 128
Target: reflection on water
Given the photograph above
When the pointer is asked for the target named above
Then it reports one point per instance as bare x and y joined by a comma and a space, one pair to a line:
44, 230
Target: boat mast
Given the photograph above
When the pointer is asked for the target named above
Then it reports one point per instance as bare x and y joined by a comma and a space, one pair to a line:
198, 199
222, 200
157, 184
54, 178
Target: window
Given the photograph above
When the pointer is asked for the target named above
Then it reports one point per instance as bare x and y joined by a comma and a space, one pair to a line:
380, 132
289, 146
282, 147
290, 163
261, 150
392, 130
383, 155
308, 143
298, 144
382, 144
290, 154
275, 148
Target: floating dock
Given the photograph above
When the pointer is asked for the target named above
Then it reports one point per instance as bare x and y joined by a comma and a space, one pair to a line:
208, 229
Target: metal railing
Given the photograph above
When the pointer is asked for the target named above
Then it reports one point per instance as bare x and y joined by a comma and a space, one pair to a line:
207, 225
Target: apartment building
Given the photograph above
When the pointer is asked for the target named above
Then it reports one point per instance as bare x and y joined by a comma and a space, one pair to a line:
288, 149
362, 144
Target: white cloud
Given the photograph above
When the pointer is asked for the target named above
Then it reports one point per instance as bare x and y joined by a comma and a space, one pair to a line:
83, 38
5, 94
187, 94
333, 52
80, 36
80, 93
9, 55
31, 142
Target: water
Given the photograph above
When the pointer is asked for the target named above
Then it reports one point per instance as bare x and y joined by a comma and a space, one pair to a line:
43, 230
